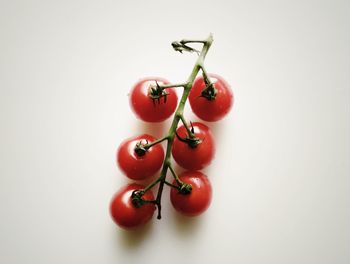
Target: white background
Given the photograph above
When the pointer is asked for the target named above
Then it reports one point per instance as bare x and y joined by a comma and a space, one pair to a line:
281, 173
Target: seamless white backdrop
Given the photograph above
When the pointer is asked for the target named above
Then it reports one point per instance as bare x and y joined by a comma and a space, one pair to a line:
281, 173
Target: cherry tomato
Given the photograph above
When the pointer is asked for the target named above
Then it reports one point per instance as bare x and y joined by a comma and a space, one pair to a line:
136, 166
198, 157
125, 214
148, 109
198, 200
211, 110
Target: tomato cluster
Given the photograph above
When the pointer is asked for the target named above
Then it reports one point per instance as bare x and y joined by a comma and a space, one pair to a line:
141, 157
192, 146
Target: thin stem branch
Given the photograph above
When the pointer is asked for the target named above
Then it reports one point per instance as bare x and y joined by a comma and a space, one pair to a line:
176, 177
185, 41
189, 132
171, 185
164, 86
150, 186
147, 146
205, 75
210, 91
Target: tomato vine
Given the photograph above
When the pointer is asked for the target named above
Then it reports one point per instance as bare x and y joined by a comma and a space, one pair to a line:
210, 101
177, 117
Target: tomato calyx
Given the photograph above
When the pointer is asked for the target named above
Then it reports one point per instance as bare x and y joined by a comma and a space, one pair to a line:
191, 140
156, 93
140, 148
137, 200
209, 92
185, 188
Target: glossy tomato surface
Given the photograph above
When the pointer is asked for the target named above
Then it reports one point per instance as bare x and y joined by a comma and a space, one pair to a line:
145, 107
211, 110
198, 200
139, 167
125, 214
194, 158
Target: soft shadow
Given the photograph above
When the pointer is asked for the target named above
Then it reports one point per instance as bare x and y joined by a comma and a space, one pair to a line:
130, 239
186, 225
177, 168
216, 128
147, 181
154, 129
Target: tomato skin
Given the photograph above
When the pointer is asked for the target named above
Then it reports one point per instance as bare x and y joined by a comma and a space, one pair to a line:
145, 108
194, 158
125, 214
139, 167
198, 200
211, 110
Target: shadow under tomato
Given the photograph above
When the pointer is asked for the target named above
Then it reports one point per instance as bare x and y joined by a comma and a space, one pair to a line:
187, 226
130, 239
157, 130
215, 127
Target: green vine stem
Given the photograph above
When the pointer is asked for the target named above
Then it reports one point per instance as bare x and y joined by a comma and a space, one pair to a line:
199, 65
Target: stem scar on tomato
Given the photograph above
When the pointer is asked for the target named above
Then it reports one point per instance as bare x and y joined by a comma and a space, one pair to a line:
156, 93
140, 148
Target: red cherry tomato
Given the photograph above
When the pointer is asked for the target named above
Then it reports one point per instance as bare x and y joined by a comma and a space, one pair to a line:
148, 109
125, 214
211, 110
194, 158
139, 167
198, 200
